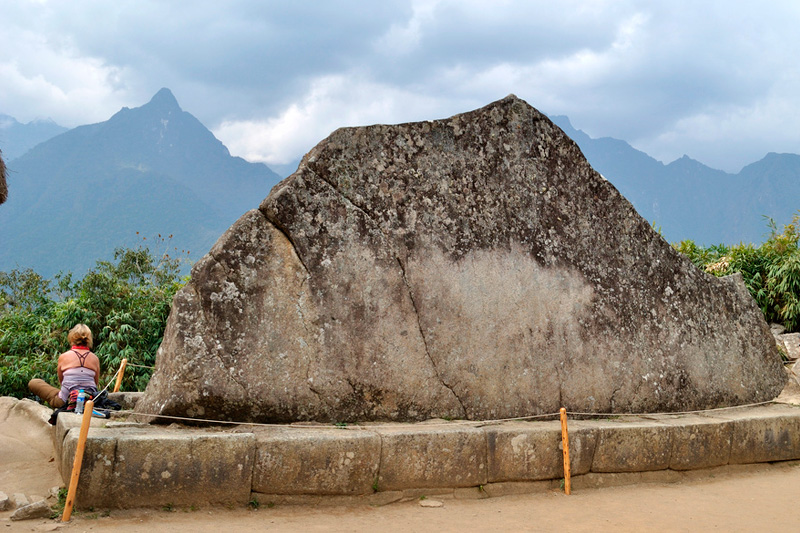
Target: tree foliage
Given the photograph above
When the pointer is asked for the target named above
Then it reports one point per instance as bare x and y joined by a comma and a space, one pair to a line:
770, 271
125, 302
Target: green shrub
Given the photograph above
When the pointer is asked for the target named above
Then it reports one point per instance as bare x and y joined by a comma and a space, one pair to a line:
125, 302
771, 272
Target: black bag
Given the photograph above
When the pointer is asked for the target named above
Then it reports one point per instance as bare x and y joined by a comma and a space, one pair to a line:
104, 402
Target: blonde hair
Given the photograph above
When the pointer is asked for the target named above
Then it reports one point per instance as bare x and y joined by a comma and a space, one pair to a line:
80, 335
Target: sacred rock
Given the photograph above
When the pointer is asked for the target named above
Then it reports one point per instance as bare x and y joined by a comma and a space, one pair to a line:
473, 267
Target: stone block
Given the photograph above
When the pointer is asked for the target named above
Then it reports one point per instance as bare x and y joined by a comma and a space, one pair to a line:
632, 446
182, 468
316, 461
699, 442
97, 480
64, 423
5, 502
533, 451
127, 400
151, 467
764, 434
39, 509
432, 457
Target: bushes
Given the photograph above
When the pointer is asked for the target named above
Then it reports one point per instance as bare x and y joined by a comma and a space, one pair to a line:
125, 302
771, 271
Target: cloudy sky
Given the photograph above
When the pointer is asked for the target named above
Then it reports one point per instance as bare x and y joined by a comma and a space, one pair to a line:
717, 80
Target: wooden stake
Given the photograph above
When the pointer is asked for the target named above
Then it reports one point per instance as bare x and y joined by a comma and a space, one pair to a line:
121, 373
565, 444
78, 461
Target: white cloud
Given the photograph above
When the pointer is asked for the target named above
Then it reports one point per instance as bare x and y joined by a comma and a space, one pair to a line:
49, 78
406, 36
273, 78
331, 102
729, 137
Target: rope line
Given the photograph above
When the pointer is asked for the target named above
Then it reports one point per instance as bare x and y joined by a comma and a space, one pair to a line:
449, 423
452, 423
141, 366
113, 378
675, 412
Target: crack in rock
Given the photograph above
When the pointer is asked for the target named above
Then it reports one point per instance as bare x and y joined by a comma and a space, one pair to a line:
279, 226
425, 341
404, 278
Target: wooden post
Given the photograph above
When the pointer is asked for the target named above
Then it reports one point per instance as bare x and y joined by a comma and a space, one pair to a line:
565, 444
121, 373
78, 461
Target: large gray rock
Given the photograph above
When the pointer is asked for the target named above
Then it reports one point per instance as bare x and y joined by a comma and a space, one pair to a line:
471, 267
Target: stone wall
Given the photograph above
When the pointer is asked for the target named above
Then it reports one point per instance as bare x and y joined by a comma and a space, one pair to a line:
130, 466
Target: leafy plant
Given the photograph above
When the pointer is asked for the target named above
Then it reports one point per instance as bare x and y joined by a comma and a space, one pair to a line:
125, 302
57, 509
771, 271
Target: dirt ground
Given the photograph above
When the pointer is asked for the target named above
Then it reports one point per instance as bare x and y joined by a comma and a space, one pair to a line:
750, 498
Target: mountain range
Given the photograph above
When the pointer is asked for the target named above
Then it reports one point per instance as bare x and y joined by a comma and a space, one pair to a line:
17, 138
149, 171
689, 200
76, 195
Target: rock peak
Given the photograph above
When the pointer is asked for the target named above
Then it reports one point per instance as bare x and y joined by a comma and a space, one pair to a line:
164, 99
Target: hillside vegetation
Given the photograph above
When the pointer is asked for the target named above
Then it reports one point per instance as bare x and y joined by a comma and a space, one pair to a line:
126, 303
770, 271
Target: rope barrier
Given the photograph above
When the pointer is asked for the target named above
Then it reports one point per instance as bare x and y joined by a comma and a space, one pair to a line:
113, 378
142, 366
449, 423
577, 413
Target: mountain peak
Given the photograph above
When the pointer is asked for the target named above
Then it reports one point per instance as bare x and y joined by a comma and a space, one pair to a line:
164, 99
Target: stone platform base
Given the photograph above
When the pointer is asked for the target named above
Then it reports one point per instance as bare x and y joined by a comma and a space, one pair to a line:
128, 465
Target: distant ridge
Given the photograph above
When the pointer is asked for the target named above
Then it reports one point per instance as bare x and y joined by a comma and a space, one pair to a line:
76, 195
154, 170
17, 138
689, 200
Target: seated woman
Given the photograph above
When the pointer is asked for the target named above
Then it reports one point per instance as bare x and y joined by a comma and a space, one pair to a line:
78, 368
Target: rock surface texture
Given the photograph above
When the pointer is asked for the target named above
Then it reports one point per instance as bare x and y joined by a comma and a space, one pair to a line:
474, 267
